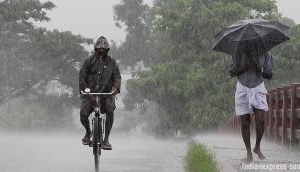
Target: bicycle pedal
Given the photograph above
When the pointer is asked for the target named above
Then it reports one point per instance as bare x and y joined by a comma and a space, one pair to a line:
104, 148
91, 145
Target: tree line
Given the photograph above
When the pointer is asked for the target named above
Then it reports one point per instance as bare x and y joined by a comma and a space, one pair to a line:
32, 56
187, 81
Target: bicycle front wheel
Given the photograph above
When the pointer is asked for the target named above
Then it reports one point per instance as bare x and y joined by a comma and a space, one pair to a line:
96, 142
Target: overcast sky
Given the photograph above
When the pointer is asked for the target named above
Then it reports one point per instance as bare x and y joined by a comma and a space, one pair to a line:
290, 8
93, 18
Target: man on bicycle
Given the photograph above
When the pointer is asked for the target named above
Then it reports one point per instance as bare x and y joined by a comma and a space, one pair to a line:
100, 73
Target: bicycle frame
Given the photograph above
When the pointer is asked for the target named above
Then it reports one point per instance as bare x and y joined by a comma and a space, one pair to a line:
98, 128
100, 118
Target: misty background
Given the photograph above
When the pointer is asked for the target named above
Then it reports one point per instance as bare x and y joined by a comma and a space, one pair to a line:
173, 85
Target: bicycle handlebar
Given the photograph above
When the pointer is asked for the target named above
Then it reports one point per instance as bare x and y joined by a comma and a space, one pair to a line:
108, 94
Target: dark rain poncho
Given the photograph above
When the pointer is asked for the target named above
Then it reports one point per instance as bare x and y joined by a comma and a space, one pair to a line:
100, 75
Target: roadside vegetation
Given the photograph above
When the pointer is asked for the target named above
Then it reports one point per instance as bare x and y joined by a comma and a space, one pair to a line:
200, 159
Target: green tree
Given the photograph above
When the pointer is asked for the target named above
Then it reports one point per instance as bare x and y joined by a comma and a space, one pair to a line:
31, 57
140, 43
190, 84
287, 60
16, 26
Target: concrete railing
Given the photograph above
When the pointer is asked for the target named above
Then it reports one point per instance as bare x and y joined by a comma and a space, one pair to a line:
283, 117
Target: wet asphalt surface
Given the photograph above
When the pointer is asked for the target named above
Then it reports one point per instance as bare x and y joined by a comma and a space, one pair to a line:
63, 152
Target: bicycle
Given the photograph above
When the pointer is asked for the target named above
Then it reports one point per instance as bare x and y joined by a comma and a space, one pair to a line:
98, 126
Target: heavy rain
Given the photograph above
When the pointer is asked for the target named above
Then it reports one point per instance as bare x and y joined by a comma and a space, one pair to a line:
187, 84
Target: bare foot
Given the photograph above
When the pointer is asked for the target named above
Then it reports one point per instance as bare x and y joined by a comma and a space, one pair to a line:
259, 154
248, 159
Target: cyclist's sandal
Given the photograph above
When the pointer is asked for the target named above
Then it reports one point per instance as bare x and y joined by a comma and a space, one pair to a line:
106, 147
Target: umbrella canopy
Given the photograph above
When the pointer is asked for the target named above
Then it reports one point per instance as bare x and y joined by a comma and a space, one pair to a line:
245, 35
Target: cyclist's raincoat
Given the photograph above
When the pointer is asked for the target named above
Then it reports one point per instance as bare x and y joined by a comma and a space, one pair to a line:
100, 74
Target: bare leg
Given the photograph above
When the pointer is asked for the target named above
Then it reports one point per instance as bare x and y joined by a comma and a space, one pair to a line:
109, 108
260, 123
245, 127
86, 124
108, 125
85, 111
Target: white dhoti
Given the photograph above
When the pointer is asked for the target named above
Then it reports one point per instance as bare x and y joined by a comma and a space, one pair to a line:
248, 98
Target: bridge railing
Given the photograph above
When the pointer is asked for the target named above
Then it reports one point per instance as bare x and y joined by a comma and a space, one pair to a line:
282, 121
283, 117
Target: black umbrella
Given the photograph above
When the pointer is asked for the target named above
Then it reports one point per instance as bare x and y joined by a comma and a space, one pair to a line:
245, 35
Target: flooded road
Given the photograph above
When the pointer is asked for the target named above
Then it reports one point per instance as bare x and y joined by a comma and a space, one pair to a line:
64, 153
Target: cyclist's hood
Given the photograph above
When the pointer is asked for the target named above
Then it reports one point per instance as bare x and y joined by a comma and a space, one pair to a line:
102, 43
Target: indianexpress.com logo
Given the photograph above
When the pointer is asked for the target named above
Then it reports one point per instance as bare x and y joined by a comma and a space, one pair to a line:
271, 167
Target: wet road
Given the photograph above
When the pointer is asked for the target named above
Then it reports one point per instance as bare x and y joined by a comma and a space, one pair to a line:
229, 150
64, 153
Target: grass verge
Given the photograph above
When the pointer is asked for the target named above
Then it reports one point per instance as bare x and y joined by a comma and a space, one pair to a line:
200, 159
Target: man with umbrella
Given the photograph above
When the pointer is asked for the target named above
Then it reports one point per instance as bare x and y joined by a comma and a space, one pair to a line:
248, 42
250, 69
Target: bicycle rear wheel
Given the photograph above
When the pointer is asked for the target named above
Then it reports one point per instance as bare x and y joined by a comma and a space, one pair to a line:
97, 142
